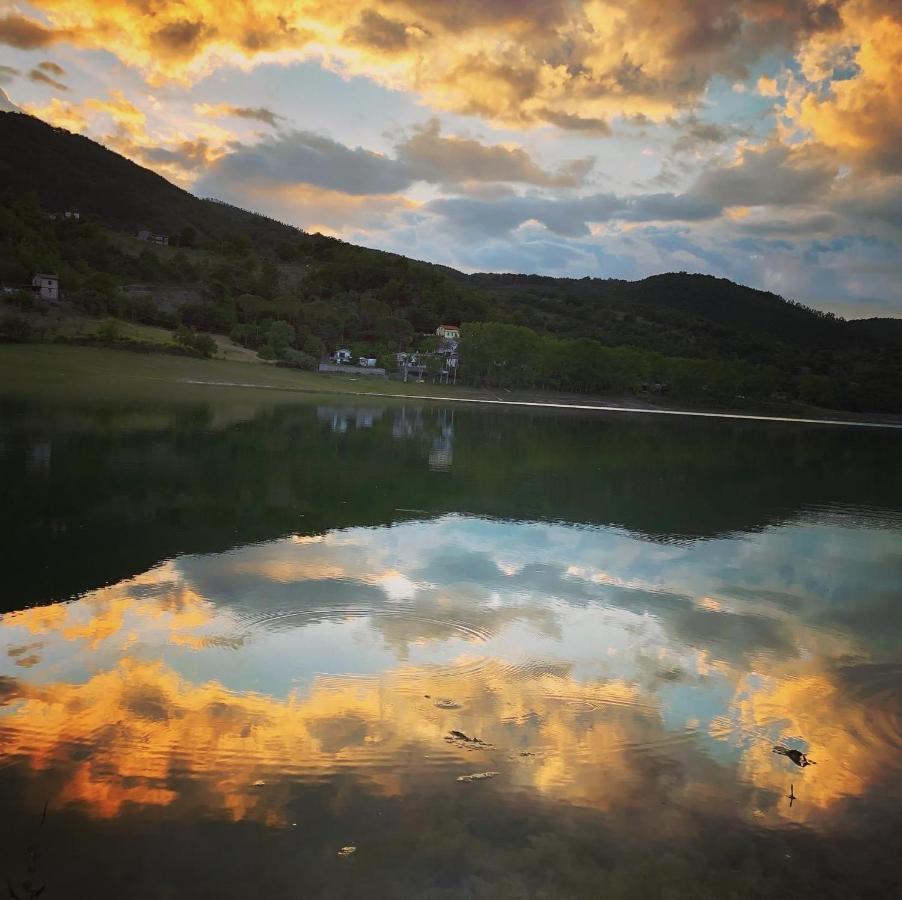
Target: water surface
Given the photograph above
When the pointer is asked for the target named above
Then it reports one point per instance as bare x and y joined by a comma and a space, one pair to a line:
239, 636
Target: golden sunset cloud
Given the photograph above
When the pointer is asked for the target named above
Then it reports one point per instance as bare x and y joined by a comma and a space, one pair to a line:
860, 117
572, 64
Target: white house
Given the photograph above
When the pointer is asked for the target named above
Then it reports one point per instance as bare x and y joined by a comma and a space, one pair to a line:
47, 287
449, 332
342, 357
145, 235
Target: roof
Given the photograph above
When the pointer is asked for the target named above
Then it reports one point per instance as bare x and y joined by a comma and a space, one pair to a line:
455, 327
45, 275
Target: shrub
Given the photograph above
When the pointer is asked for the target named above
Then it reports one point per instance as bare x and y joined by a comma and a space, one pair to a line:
16, 329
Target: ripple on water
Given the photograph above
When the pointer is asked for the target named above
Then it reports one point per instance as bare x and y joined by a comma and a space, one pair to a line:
285, 619
877, 688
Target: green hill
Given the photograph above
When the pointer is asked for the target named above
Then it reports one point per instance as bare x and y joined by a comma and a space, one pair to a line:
695, 335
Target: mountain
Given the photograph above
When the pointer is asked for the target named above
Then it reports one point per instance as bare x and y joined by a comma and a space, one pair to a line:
883, 329
70, 171
701, 337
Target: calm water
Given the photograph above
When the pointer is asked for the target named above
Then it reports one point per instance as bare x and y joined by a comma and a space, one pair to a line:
238, 636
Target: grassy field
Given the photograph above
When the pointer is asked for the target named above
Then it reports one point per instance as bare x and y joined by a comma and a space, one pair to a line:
59, 370
25, 368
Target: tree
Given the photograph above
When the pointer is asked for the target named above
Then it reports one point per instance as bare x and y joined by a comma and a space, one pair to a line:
187, 236
280, 337
817, 390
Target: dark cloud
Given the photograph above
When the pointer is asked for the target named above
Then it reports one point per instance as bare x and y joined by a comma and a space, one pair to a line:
260, 113
775, 176
182, 38
375, 30
870, 202
816, 224
26, 34
301, 157
696, 134
7, 74
431, 157
40, 77
52, 68
571, 122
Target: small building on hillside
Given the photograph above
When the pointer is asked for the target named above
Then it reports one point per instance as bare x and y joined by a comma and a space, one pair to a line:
448, 332
47, 287
341, 357
161, 239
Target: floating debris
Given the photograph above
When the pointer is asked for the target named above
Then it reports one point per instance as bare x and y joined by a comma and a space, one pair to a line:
526, 753
259, 783
347, 851
477, 776
799, 758
458, 738
445, 703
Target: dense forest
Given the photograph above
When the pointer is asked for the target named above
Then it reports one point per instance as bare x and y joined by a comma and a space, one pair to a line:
292, 296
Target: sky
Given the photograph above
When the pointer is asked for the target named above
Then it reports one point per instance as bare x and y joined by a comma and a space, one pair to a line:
757, 140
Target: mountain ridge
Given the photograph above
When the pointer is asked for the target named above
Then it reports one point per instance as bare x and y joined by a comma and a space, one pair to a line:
331, 291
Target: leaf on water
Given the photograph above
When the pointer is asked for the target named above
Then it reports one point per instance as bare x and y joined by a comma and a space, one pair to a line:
477, 776
445, 703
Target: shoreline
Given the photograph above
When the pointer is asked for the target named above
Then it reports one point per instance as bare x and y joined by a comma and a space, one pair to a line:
23, 366
650, 410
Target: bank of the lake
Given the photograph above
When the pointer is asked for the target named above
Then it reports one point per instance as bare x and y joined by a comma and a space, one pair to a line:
64, 367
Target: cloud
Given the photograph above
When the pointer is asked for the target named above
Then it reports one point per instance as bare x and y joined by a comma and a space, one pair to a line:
52, 68
302, 157
61, 114
772, 174
41, 77
431, 157
222, 110
28, 34
570, 63
7, 74
765, 176
125, 114
858, 117
767, 87
425, 155
697, 134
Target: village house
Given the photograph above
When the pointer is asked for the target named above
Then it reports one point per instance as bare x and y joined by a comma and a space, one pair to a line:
448, 332
161, 239
47, 287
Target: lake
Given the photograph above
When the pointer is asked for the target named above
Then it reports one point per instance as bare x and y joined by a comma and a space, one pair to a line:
262, 645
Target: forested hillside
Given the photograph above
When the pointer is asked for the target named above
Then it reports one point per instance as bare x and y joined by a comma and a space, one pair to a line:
292, 295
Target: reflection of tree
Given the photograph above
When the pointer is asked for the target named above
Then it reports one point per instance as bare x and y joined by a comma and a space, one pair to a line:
153, 479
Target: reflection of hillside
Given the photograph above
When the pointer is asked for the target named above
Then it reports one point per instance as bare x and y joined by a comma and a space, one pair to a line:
124, 488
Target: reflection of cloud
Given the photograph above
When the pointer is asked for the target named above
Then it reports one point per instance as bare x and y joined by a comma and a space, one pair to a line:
812, 710
616, 665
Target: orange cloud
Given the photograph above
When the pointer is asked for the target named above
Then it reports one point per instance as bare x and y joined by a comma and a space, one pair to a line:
57, 112
859, 117
572, 64
843, 734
